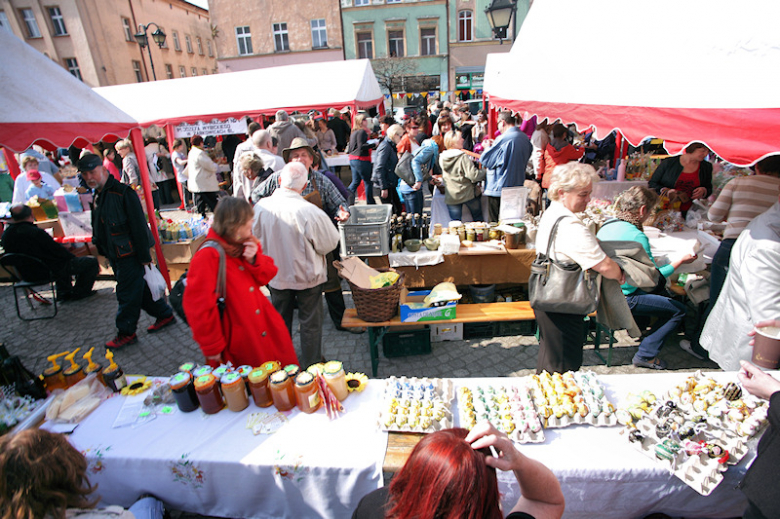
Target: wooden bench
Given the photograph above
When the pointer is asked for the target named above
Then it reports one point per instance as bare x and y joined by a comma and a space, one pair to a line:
479, 313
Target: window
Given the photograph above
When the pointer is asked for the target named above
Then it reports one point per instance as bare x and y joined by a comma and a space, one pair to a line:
32, 25
57, 22
4, 22
139, 78
194, 71
182, 71
395, 44
128, 30
188, 43
428, 41
393, 1
319, 34
168, 71
281, 42
73, 67
200, 45
244, 40
358, 3
210, 48
176, 44
465, 26
204, 72
365, 45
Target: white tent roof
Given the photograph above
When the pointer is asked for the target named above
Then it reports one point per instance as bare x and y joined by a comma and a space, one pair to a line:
251, 92
41, 101
698, 70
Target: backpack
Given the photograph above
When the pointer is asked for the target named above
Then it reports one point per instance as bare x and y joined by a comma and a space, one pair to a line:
176, 297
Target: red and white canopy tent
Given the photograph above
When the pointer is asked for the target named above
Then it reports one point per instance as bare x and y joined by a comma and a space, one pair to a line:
42, 103
699, 70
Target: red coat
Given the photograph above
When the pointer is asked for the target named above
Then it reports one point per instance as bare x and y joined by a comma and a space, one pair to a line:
252, 331
552, 158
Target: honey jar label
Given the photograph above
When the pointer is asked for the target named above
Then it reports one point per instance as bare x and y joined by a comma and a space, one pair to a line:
314, 399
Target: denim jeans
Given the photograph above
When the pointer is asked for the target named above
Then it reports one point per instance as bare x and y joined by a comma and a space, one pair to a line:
669, 313
414, 202
475, 208
361, 170
720, 268
148, 508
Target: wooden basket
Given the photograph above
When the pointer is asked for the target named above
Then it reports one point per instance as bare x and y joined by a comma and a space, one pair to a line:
375, 305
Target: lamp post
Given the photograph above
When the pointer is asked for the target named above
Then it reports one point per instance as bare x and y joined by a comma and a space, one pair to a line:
499, 15
143, 40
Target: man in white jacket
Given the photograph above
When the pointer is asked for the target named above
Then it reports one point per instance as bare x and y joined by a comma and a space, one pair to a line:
297, 235
203, 182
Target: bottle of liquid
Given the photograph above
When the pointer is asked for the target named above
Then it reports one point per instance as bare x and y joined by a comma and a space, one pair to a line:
74, 373
258, 386
621, 170
282, 391
113, 376
416, 226
24, 381
334, 376
52, 376
306, 392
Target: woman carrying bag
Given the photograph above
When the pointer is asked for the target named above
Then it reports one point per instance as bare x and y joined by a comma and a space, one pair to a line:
461, 178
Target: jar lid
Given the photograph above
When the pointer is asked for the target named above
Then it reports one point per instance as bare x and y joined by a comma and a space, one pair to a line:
231, 378
279, 376
304, 378
188, 366
292, 369
333, 367
202, 370
72, 370
205, 381
180, 379
257, 375
220, 371
244, 370
272, 366
316, 369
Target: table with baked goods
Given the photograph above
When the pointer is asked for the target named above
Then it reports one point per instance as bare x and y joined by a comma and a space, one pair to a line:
316, 467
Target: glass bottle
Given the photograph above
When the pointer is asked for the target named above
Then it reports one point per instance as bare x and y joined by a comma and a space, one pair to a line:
336, 379
183, 390
25, 382
209, 395
234, 390
258, 386
282, 390
307, 393
113, 375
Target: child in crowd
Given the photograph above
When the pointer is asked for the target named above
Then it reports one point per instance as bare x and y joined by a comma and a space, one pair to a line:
38, 188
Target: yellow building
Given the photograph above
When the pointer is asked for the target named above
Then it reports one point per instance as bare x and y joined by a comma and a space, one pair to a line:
94, 39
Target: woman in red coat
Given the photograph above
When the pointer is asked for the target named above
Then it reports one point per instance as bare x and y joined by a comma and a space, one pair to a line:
251, 331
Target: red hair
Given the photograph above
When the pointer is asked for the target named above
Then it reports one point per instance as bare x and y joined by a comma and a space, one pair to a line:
444, 478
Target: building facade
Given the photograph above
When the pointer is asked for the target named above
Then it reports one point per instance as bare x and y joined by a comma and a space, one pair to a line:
269, 33
94, 39
471, 40
406, 41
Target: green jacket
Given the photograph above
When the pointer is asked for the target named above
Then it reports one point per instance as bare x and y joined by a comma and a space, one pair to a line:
6, 187
460, 174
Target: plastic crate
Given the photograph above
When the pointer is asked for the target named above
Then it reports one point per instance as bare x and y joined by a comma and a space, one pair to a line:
366, 233
403, 343
511, 328
478, 330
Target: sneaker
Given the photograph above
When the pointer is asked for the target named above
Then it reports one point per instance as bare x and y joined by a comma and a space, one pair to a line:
161, 323
686, 345
654, 363
121, 340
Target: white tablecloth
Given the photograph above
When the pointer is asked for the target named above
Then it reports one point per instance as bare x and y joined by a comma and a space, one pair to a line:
340, 159
213, 465
608, 189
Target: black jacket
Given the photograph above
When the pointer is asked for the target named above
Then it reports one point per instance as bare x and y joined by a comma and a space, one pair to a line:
385, 161
27, 238
668, 171
119, 228
358, 144
759, 485
341, 131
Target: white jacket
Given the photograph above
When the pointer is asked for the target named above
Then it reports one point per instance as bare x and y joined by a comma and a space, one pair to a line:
202, 171
297, 235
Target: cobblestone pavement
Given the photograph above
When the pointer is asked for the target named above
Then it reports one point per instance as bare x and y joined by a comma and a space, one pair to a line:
90, 323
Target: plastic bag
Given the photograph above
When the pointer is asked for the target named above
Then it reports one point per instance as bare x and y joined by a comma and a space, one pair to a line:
155, 281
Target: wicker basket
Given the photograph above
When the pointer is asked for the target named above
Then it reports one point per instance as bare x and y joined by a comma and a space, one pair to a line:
375, 305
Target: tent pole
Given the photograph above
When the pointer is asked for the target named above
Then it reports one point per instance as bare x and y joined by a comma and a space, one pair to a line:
492, 123
170, 139
618, 147
138, 144
381, 108
13, 166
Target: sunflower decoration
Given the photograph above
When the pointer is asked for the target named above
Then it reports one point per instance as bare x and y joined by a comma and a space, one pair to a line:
356, 382
137, 387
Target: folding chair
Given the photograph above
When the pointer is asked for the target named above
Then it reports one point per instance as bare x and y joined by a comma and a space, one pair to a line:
29, 274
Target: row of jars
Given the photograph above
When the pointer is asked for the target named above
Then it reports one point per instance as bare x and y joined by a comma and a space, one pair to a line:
270, 384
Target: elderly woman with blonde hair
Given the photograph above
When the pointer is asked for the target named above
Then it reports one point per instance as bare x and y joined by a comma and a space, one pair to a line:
562, 335
634, 206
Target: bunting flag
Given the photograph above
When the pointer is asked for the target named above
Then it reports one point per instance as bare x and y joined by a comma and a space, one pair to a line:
472, 92
409, 96
387, 96
442, 94
479, 91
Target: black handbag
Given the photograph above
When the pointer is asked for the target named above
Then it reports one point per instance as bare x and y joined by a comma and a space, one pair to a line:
561, 287
176, 297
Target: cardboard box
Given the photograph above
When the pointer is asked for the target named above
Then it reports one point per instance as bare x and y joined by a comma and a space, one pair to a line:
355, 271
446, 332
410, 315
182, 252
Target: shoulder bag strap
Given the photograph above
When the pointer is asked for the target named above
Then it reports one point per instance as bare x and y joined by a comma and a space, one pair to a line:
552, 235
221, 288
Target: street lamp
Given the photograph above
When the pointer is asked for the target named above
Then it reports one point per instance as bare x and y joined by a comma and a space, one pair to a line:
499, 15
143, 40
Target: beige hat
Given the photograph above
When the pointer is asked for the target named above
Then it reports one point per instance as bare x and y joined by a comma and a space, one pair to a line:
296, 144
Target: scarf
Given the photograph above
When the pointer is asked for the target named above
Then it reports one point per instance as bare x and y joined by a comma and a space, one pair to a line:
235, 249
631, 218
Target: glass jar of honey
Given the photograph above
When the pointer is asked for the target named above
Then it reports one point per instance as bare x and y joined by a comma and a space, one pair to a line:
307, 393
209, 395
282, 390
272, 366
189, 367
201, 370
244, 371
258, 387
183, 391
234, 390
334, 376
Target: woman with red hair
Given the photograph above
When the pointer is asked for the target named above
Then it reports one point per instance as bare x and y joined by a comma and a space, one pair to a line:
451, 474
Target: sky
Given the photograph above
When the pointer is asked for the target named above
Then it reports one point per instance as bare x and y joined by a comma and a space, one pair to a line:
200, 3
